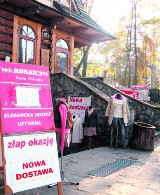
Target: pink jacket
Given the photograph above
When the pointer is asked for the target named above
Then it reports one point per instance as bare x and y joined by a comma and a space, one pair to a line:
63, 112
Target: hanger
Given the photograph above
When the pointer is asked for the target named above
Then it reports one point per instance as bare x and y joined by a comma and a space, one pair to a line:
74, 116
90, 107
118, 96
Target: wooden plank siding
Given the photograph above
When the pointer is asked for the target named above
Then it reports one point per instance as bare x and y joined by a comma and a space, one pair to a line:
5, 22
7, 15
5, 48
6, 34
5, 30
3, 55
6, 39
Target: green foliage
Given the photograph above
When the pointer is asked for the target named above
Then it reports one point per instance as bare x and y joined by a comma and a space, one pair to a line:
78, 53
151, 21
120, 54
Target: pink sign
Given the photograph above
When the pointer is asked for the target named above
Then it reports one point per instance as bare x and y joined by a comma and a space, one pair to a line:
26, 103
145, 86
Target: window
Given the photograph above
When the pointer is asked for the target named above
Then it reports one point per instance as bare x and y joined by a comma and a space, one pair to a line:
62, 54
62, 44
62, 62
26, 46
26, 41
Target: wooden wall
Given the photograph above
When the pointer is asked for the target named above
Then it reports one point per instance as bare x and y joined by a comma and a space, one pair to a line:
46, 45
46, 49
6, 34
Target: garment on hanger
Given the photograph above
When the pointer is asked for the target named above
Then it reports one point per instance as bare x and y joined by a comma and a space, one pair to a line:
118, 96
77, 130
62, 123
118, 107
123, 109
118, 113
90, 121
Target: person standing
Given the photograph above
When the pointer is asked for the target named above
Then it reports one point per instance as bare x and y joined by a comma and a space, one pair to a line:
118, 112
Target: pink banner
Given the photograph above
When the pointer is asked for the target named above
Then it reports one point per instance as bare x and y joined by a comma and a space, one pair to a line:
131, 93
26, 102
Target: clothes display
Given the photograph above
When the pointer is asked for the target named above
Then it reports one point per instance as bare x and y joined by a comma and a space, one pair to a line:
90, 121
118, 114
90, 124
63, 123
77, 130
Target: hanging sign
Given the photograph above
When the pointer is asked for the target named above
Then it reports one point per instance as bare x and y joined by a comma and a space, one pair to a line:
26, 169
25, 98
78, 105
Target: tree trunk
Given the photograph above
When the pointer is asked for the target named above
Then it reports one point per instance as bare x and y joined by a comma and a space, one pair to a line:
135, 46
130, 46
82, 60
85, 66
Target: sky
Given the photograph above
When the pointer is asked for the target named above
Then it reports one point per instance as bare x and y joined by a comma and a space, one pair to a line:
108, 12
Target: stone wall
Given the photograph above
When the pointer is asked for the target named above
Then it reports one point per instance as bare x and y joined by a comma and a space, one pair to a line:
63, 85
143, 112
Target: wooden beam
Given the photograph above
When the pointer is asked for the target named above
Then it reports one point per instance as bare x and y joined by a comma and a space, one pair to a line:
57, 20
79, 29
2, 1
33, 10
98, 36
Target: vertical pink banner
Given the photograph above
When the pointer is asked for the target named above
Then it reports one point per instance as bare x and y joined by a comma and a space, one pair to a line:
26, 102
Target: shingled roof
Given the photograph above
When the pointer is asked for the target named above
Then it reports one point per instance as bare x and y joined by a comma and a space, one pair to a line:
81, 17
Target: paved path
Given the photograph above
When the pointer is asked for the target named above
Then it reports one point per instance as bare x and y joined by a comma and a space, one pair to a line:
141, 178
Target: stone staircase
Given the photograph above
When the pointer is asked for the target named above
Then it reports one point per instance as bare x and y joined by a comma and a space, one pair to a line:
157, 134
142, 111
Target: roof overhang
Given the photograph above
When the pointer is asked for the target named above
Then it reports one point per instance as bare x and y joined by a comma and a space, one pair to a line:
84, 33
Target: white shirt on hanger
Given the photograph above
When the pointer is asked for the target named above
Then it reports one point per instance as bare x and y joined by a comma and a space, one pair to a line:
77, 130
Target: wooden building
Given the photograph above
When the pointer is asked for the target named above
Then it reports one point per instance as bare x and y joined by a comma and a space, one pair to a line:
45, 32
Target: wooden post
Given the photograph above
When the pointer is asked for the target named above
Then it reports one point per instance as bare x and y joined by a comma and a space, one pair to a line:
59, 188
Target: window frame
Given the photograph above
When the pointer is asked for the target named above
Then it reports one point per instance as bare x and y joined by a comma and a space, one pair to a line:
27, 39
36, 27
62, 50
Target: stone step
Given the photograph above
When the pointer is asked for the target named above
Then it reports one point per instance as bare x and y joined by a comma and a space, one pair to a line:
157, 134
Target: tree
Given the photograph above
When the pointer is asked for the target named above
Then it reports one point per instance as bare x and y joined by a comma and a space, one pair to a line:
134, 48
87, 7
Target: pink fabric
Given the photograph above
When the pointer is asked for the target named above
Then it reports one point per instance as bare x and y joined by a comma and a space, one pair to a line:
63, 113
66, 130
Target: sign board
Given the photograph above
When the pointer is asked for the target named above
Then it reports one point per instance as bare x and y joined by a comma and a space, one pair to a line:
78, 105
143, 91
30, 157
31, 161
25, 98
